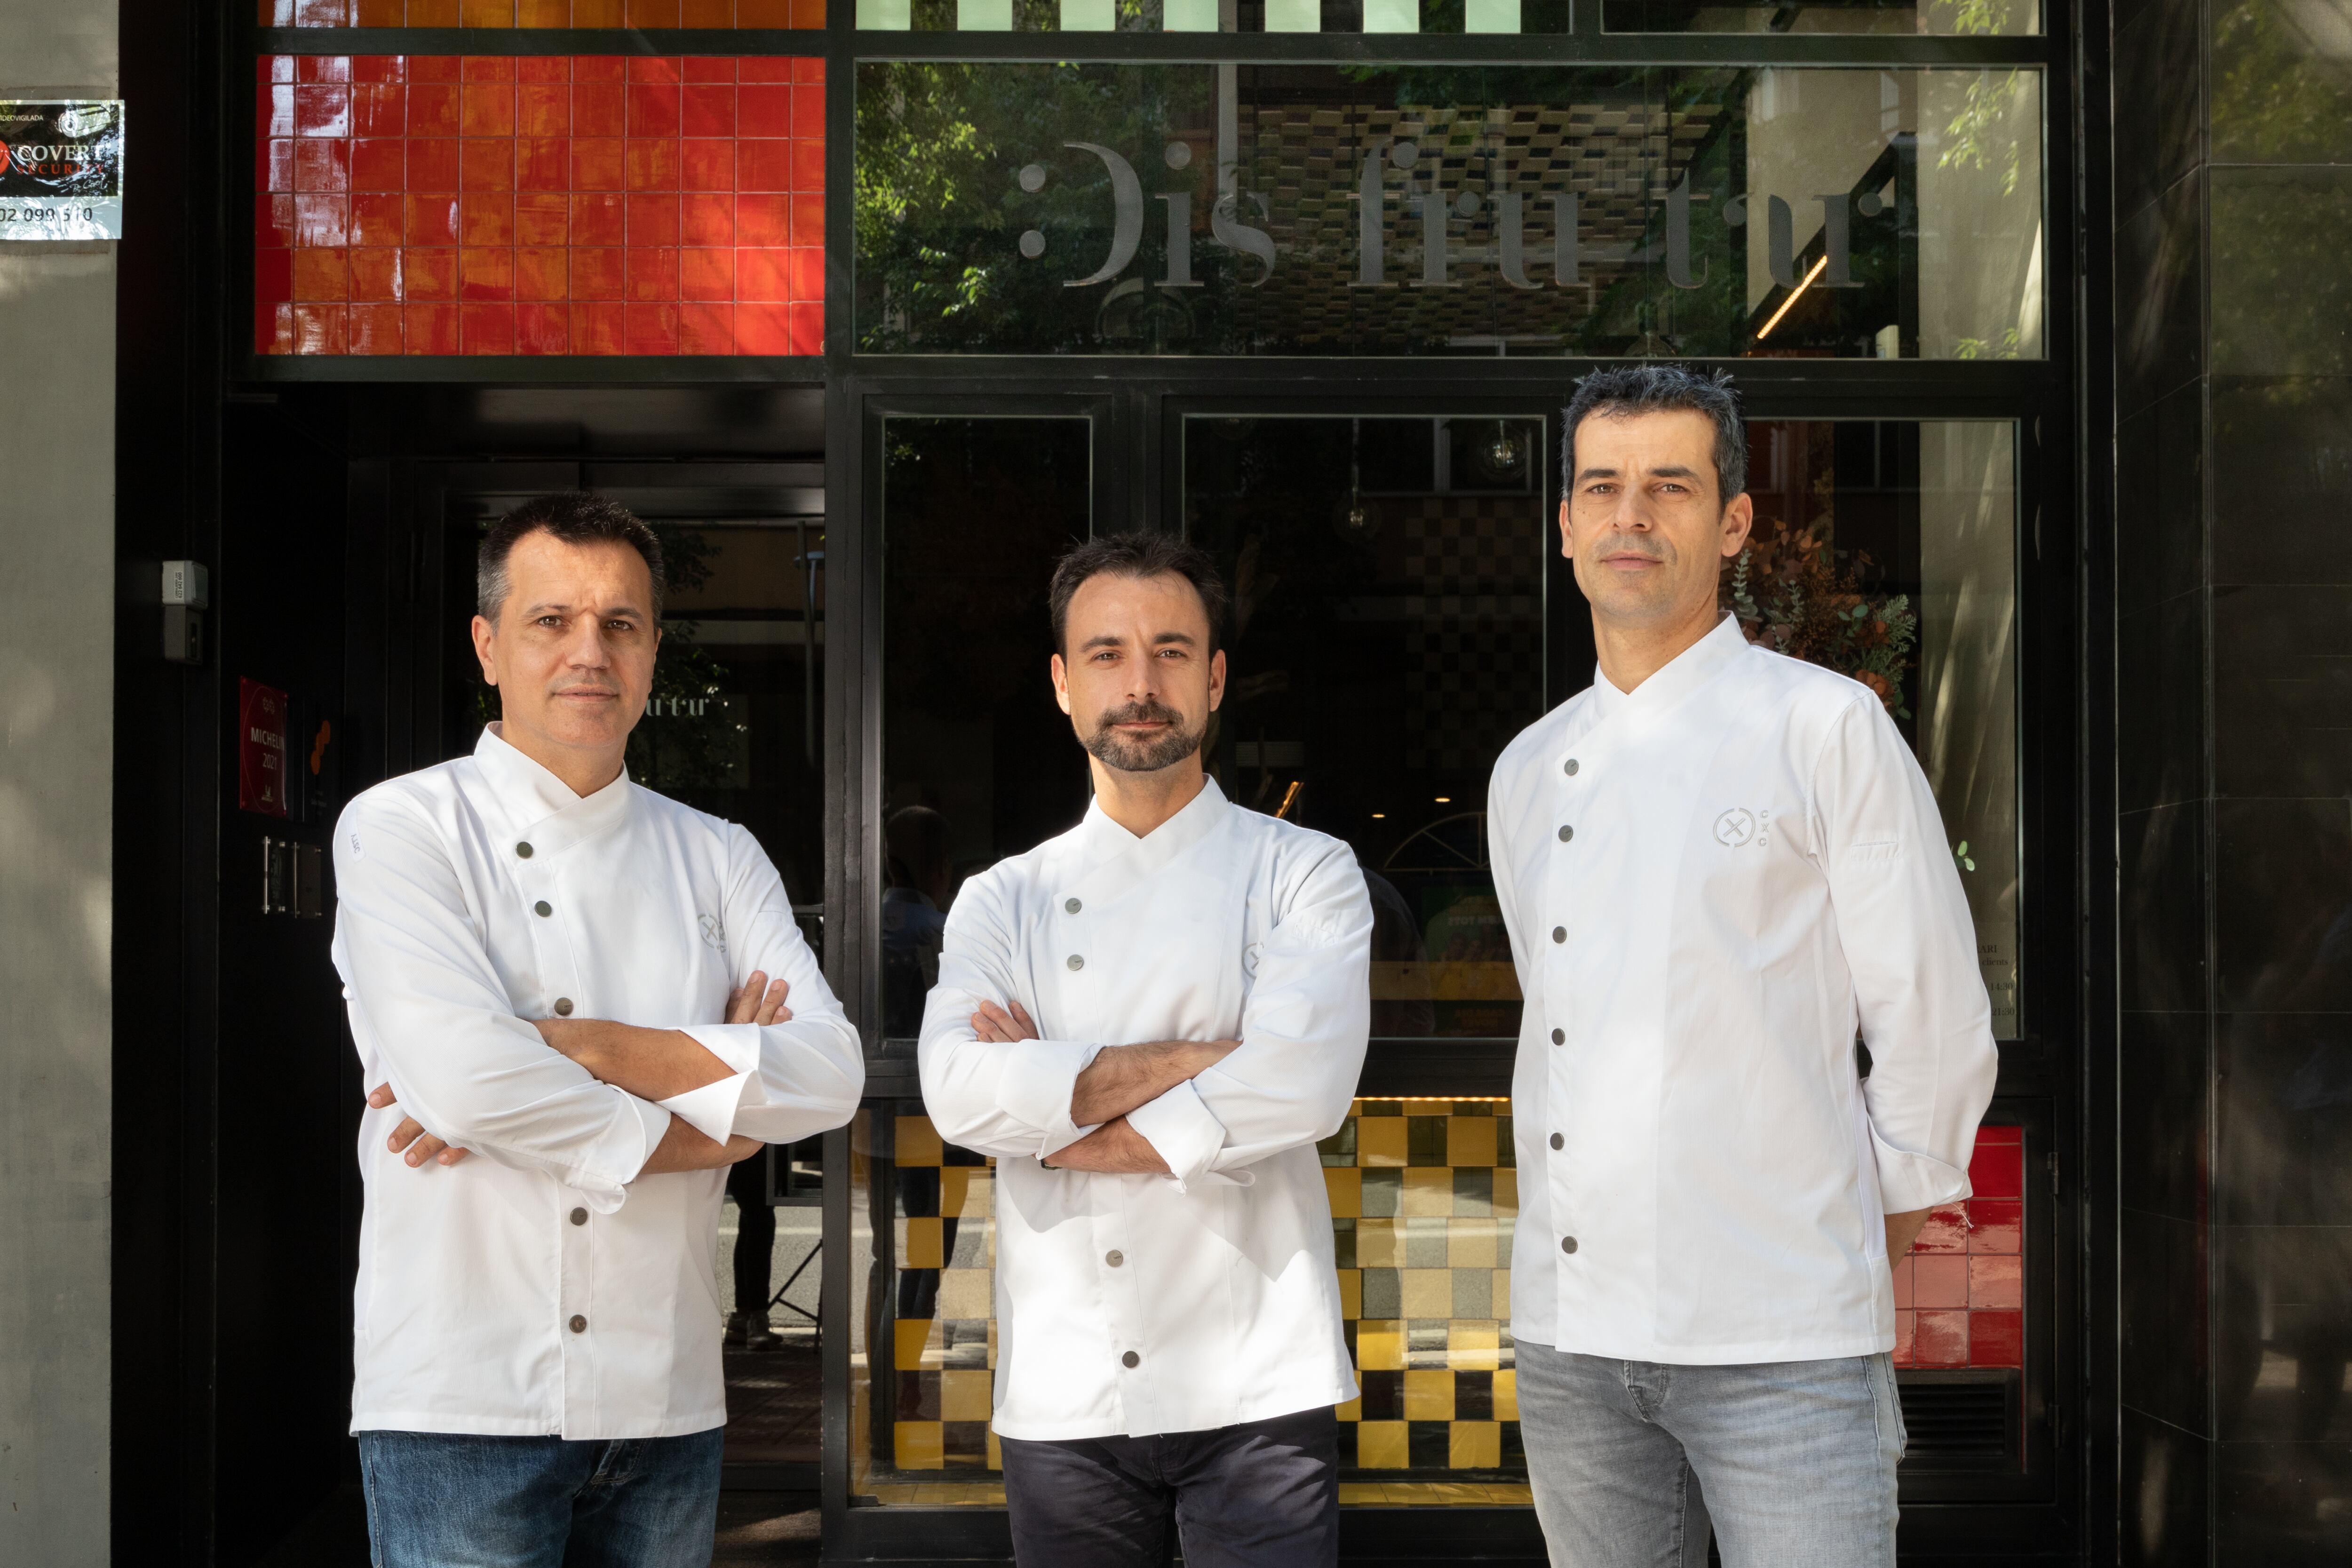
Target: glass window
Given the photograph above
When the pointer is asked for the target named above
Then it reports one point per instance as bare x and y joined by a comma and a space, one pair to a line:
1007, 207
978, 761
1387, 642
1934, 18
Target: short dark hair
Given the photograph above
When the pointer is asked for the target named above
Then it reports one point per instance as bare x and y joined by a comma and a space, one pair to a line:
575, 516
1657, 388
1141, 553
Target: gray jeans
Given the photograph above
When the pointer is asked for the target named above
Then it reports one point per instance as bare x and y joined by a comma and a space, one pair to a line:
1795, 1460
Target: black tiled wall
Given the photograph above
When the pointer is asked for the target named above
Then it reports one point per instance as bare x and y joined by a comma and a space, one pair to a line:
2233, 450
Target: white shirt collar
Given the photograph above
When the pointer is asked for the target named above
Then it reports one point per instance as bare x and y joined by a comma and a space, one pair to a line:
1681, 675
543, 806
1103, 840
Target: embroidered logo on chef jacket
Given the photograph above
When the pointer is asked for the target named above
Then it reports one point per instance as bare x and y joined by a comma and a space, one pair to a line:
1739, 827
713, 933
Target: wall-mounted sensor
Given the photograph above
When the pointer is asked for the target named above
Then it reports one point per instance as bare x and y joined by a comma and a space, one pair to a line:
186, 583
187, 589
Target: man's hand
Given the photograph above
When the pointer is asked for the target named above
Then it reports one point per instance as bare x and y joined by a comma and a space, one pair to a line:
420, 1144
760, 1001
1120, 1078
1902, 1230
1115, 1148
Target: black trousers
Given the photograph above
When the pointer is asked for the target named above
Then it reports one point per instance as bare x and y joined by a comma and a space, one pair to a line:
755, 1236
1264, 1494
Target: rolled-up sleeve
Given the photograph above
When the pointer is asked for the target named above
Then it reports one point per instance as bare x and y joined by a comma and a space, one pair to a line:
1009, 1099
1303, 1029
793, 1080
431, 1017
1910, 945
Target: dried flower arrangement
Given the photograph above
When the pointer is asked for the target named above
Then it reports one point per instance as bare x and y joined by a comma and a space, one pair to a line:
1791, 596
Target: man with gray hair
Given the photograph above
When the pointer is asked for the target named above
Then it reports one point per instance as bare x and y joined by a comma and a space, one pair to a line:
1717, 865
601, 995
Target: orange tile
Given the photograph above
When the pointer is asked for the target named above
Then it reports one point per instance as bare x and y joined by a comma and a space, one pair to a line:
486, 219
762, 274
375, 273
322, 13
432, 220
807, 328
652, 220
379, 13
488, 164
542, 163
808, 219
708, 108
763, 13
651, 328
1946, 1230
1940, 1280
486, 109
597, 329
598, 164
542, 218
485, 329
1941, 1339
541, 330
808, 14
429, 273
433, 108
429, 329
542, 272
599, 109
804, 273
322, 329
706, 165
705, 219
808, 165
653, 275
706, 13
434, 13
486, 12
273, 329
651, 164
597, 274
763, 328
764, 220
598, 218
322, 274
543, 13
652, 13
598, 14
375, 330
706, 272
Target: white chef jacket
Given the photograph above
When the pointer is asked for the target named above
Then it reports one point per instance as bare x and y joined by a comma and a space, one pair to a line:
1217, 1280
542, 1286
1708, 882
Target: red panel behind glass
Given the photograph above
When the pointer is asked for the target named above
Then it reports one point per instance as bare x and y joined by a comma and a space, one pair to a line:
1959, 1298
538, 204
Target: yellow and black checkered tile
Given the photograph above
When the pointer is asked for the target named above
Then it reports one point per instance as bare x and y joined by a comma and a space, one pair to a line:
1423, 1194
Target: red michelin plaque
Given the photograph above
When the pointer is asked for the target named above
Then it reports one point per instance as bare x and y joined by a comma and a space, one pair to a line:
260, 748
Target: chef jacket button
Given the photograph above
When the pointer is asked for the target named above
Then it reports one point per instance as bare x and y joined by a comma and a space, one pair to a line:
1559, 934
1558, 1141
579, 1325
1113, 1257
564, 1006
1071, 905
1559, 1036
542, 908
523, 850
1130, 1359
1077, 962
1569, 767
1566, 833
578, 1216
1568, 1244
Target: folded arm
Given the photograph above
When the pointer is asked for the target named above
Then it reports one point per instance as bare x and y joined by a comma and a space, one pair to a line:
1910, 945
434, 1013
1118, 1079
1303, 1029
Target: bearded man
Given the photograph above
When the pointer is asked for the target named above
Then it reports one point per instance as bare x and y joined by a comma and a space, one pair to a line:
1151, 1021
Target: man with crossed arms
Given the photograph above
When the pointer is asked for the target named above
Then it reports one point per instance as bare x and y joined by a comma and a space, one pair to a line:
1168, 1327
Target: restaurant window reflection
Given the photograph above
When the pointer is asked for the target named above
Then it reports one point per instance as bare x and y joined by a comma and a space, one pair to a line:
978, 761
1386, 643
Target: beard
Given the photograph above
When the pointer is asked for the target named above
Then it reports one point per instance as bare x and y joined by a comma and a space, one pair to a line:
1171, 746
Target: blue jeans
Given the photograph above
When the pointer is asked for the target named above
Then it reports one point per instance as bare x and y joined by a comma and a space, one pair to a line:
438, 1500
1793, 1461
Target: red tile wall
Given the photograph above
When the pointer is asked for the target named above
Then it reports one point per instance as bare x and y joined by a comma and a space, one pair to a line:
541, 13
1959, 1298
538, 204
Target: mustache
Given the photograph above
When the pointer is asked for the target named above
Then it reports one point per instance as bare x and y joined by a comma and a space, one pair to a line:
1632, 544
1144, 712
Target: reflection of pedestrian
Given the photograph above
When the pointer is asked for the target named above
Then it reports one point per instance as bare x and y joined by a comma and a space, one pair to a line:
755, 1255
1717, 862
917, 878
1396, 939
